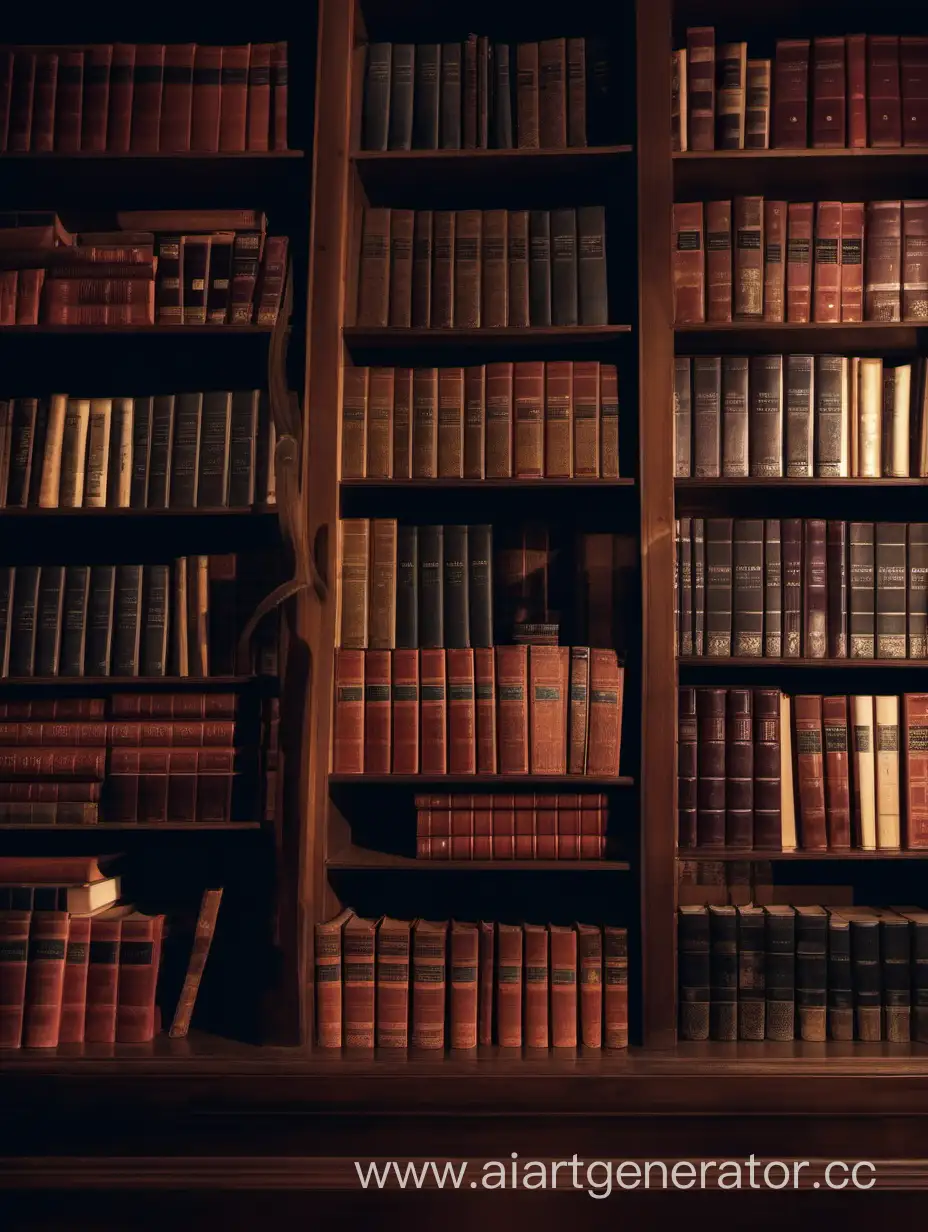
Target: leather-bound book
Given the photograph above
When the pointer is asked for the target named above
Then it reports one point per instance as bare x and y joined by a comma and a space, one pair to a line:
495, 269
468, 230
856, 45
392, 983
499, 433
739, 769
450, 423
748, 588
836, 561
734, 416
866, 972
155, 620
767, 774
711, 785
718, 261
591, 266
748, 279
693, 960
74, 620
19, 103
206, 98
177, 96
402, 224
552, 94
811, 972
358, 949
328, 980
773, 589
480, 584
687, 770
810, 771
469, 95
48, 941
463, 977
421, 294
549, 668
512, 690
348, 733
864, 739
535, 953
185, 451
685, 585
517, 253
485, 707
576, 92
374, 272
918, 920
679, 137
884, 90
829, 95
682, 417
547, 813
775, 218
780, 972
455, 571
914, 260
433, 713
791, 94
883, 261
462, 725
896, 960
48, 620
45, 88
609, 421
718, 586
723, 973
426, 110
354, 580
100, 605
69, 100
584, 400
606, 689
837, 771
915, 716
800, 419
509, 964
852, 261
503, 828
569, 816
689, 264
377, 716
578, 732
485, 982
355, 388
425, 423
529, 420
74, 989
707, 416
401, 420
814, 590
890, 590
730, 98
799, 262
757, 106
840, 996
527, 96
565, 308
563, 986
862, 597
590, 962
139, 961
700, 76
896, 424
407, 587
379, 423
751, 985
615, 987
148, 88
21, 637
376, 109
826, 297
405, 712
103, 977
913, 55
888, 822
917, 593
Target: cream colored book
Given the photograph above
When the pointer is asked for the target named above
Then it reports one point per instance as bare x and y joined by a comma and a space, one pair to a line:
870, 411
864, 771
74, 453
98, 452
181, 626
897, 394
921, 412
202, 613
678, 98
787, 791
51, 461
853, 395
119, 483
888, 828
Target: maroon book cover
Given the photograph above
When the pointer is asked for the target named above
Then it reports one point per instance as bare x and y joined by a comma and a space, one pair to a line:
718, 261
689, 264
829, 91
791, 95
837, 782
884, 89
914, 62
856, 91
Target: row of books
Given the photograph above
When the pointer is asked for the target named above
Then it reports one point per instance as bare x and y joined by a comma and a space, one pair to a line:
565, 826
508, 710
466, 269
479, 95
810, 973
825, 93
799, 416
555, 420
758, 770
172, 451
802, 588
147, 98
830, 261
394, 984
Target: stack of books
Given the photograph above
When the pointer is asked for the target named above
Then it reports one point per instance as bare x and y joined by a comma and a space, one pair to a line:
501, 827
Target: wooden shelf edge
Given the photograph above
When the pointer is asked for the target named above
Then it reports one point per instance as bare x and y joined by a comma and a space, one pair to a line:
490, 155
703, 156
147, 330
363, 334
137, 682
692, 484
105, 827
464, 485
159, 156
513, 782
755, 856
362, 859
712, 664
256, 511
716, 327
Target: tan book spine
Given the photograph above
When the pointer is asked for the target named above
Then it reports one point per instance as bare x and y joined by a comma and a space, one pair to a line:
393, 983
870, 413
425, 423
609, 421
559, 410
402, 423
442, 306
517, 249
353, 451
382, 584
749, 256
202, 941
527, 96
615, 987
775, 260
380, 424
590, 962
51, 462
422, 270
787, 786
401, 267
180, 626
124, 414
74, 454
353, 581
428, 971
499, 420
586, 420
468, 232
98, 450
495, 262
451, 423
853, 394
864, 772
374, 275
475, 422
888, 817
529, 423
549, 669
897, 433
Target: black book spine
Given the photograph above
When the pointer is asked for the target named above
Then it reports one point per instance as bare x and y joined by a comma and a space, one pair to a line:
565, 308
865, 969
377, 96
718, 587
22, 452
48, 620
773, 589
74, 622
811, 973
836, 553
38, 452
780, 973
141, 453
840, 984
456, 599
739, 768
127, 620
890, 590
156, 599
748, 587
501, 107
407, 588
451, 85
243, 436
431, 588
699, 586
213, 465
401, 96
185, 451
7, 580
723, 973
98, 655
591, 263
920, 978
897, 989
601, 103
694, 972
685, 585
539, 267
751, 978
23, 620
862, 619
687, 772
159, 458
480, 584
425, 107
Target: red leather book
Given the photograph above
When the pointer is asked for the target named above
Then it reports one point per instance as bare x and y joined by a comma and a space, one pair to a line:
177, 97
810, 771
586, 423
512, 691
48, 942
700, 74
499, 421
377, 712
202, 942
590, 962
739, 769
559, 413
121, 93
852, 261
28, 296
98, 62
884, 90
829, 90
279, 74
524, 815
462, 827
799, 263
69, 101
429, 947
258, 133
568, 827
6, 87
606, 686
358, 949
883, 261
748, 289
775, 215
148, 87
563, 986
348, 734
405, 712
504, 827
913, 54
440, 827
837, 781
464, 959
328, 980
856, 91
8, 283
14, 954
433, 712
914, 260
74, 992
509, 986
483, 827
535, 958
392, 991
103, 977
826, 300
549, 668
139, 961
43, 106
462, 727
689, 264
423, 829
486, 983
591, 828
791, 95
529, 420
718, 261
234, 110
485, 708
546, 827
615, 987
915, 717
206, 99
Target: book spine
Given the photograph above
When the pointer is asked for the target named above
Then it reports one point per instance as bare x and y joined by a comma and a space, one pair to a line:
915, 260
405, 712
451, 423
687, 770
456, 572
862, 598
735, 417
348, 735
800, 417
233, 115
425, 423
517, 256
495, 269
469, 94
730, 96
512, 690
563, 987
775, 217
890, 580
139, 960
558, 417
552, 93
917, 593
886, 722
780, 977
499, 412
707, 416
529, 421
358, 948
485, 707
811, 973
392, 1000
689, 264
718, 625
468, 229
799, 262
682, 416
826, 296
548, 682
425, 124
815, 590
441, 311
74, 990
829, 97
354, 581
527, 96
592, 282
606, 695
852, 261
535, 955
767, 779
462, 724
693, 957
609, 421
840, 1016
837, 780
883, 261
102, 981
856, 90
700, 73
431, 586
421, 292
48, 940
748, 281
579, 709
836, 561
739, 769
377, 712
915, 716
590, 962
565, 308
328, 983
807, 717
884, 90
791, 94
450, 90
748, 588
433, 712
480, 584
576, 92
206, 99
463, 977
723, 973
895, 953
865, 965
711, 786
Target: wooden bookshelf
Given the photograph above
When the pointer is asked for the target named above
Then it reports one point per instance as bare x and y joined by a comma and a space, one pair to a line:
754, 854
359, 859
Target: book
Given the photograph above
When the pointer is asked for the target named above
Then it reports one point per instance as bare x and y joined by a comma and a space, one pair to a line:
689, 264
701, 76
780, 972
862, 718
693, 950
791, 94
810, 771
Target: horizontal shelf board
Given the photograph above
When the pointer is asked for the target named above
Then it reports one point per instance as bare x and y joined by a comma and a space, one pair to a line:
783, 484
477, 485
160, 157
754, 854
168, 683
34, 331
724, 156
711, 663
107, 826
361, 858
480, 782
493, 156
258, 511
388, 338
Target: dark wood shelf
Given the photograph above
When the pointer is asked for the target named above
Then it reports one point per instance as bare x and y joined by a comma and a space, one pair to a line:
366, 338
256, 511
481, 782
159, 157
171, 684
568, 155
362, 858
754, 855
816, 337
800, 174
781, 484
35, 331
726, 156
478, 485
104, 827
712, 663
